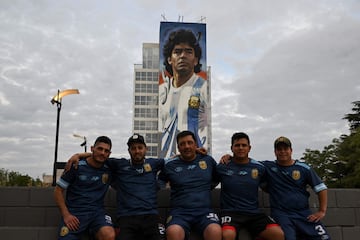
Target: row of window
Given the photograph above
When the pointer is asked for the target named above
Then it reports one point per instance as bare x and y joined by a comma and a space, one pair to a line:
146, 100
152, 151
146, 112
151, 57
147, 76
152, 137
146, 88
151, 64
145, 125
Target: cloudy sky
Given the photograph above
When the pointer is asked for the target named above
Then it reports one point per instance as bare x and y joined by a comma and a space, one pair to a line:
288, 67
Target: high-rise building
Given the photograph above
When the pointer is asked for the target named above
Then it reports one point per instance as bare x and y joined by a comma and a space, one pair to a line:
146, 94
146, 91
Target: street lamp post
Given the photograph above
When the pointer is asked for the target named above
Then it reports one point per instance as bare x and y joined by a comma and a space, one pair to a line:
82, 137
57, 99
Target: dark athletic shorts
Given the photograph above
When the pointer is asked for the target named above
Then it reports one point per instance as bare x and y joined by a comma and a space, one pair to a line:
254, 223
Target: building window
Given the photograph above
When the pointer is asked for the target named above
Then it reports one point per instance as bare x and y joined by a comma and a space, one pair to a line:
152, 137
145, 125
146, 113
152, 151
150, 57
146, 100
146, 88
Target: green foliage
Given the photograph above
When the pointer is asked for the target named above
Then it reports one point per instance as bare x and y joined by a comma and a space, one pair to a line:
16, 179
338, 164
354, 118
349, 153
323, 162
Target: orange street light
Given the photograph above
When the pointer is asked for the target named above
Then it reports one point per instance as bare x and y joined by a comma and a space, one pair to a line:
57, 99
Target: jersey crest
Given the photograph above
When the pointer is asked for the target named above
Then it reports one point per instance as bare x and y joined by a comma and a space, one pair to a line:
105, 178
147, 167
202, 165
194, 102
64, 231
296, 175
254, 173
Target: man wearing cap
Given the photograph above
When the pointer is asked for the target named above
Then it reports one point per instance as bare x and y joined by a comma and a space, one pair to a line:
135, 181
136, 191
287, 180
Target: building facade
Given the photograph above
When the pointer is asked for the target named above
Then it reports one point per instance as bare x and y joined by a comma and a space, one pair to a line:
146, 95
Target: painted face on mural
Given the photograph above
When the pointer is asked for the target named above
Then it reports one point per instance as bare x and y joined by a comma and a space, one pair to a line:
183, 59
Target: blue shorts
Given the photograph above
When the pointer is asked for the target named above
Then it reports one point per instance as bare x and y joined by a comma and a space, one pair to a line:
90, 222
301, 228
192, 219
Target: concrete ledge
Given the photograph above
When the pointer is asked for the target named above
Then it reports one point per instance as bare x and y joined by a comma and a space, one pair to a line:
29, 233
351, 232
335, 233
31, 213
348, 198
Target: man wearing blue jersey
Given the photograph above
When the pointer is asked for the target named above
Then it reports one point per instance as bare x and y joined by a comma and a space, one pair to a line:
135, 181
286, 183
136, 189
191, 180
240, 180
86, 186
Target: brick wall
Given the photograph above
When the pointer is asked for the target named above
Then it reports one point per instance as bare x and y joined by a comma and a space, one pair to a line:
30, 213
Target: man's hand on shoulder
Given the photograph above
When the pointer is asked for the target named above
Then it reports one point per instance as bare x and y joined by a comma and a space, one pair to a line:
74, 160
201, 150
225, 159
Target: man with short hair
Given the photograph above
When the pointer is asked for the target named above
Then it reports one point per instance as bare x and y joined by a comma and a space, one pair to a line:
191, 180
286, 183
85, 188
136, 185
240, 180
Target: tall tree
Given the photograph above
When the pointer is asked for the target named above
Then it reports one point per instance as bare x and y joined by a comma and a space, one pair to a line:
349, 153
354, 118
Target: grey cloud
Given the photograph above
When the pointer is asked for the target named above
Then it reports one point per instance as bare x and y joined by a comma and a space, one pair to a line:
285, 68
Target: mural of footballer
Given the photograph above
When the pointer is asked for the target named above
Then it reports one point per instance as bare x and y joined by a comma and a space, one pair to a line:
183, 91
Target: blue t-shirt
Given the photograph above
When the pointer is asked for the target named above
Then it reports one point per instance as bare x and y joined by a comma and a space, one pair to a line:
287, 186
85, 187
191, 182
136, 185
240, 186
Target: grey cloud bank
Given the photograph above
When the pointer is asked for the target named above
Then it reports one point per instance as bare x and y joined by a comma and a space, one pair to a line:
289, 68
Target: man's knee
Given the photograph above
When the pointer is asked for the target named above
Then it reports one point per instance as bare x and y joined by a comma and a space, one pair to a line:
106, 233
228, 234
213, 231
174, 232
